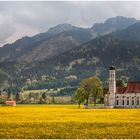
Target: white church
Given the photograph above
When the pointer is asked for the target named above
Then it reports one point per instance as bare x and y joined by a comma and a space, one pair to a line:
123, 97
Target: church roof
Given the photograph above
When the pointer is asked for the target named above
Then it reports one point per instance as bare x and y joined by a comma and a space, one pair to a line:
132, 87
120, 90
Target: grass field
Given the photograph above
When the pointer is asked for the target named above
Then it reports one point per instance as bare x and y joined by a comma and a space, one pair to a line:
67, 121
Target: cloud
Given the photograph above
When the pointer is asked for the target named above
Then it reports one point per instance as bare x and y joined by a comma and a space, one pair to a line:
19, 18
6, 29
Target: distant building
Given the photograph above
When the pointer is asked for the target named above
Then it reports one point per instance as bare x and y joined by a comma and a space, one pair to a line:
125, 97
10, 103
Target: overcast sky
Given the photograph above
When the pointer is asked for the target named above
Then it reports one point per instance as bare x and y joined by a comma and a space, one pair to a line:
18, 19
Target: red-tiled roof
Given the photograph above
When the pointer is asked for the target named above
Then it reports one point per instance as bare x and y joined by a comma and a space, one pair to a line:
120, 90
10, 101
133, 87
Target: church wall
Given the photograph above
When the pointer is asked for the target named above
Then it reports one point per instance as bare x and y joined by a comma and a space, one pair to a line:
126, 100
130, 100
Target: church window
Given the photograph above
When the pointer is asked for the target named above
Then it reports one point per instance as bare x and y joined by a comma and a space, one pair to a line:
122, 102
127, 102
117, 102
132, 102
138, 102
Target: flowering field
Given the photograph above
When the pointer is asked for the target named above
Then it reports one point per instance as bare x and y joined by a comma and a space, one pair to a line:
67, 121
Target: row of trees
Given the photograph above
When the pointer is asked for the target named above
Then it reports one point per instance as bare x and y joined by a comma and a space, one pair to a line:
90, 88
37, 98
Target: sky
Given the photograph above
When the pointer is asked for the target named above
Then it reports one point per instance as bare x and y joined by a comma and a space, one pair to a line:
18, 19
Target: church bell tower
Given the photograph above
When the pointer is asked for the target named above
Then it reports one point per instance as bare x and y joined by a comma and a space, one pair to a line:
112, 86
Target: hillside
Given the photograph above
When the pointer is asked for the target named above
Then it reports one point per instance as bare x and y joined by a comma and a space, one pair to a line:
64, 59
94, 57
58, 39
112, 25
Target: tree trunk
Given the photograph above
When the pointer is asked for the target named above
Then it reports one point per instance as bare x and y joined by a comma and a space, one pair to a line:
95, 97
94, 102
87, 101
79, 105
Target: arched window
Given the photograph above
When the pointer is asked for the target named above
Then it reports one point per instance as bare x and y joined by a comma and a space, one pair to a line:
138, 102
132, 101
117, 102
122, 102
127, 102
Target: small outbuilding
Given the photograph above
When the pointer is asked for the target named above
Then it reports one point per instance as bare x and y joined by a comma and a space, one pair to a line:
10, 103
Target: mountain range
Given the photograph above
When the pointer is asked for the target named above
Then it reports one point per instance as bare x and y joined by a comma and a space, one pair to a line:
59, 39
67, 52
120, 48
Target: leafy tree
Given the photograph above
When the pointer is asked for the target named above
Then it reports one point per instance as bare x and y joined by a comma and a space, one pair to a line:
86, 85
96, 89
53, 100
101, 100
120, 83
41, 100
30, 96
2, 100
9, 92
92, 87
17, 96
44, 96
80, 95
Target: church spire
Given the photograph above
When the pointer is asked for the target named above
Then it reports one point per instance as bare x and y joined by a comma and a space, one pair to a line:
112, 85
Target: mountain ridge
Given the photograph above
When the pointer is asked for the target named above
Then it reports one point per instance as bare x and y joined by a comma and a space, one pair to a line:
87, 58
66, 37
97, 55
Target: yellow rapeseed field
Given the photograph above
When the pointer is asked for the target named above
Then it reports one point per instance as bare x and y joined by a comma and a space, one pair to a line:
67, 121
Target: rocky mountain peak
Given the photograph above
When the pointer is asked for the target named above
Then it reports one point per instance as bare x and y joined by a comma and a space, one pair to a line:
113, 24
62, 28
